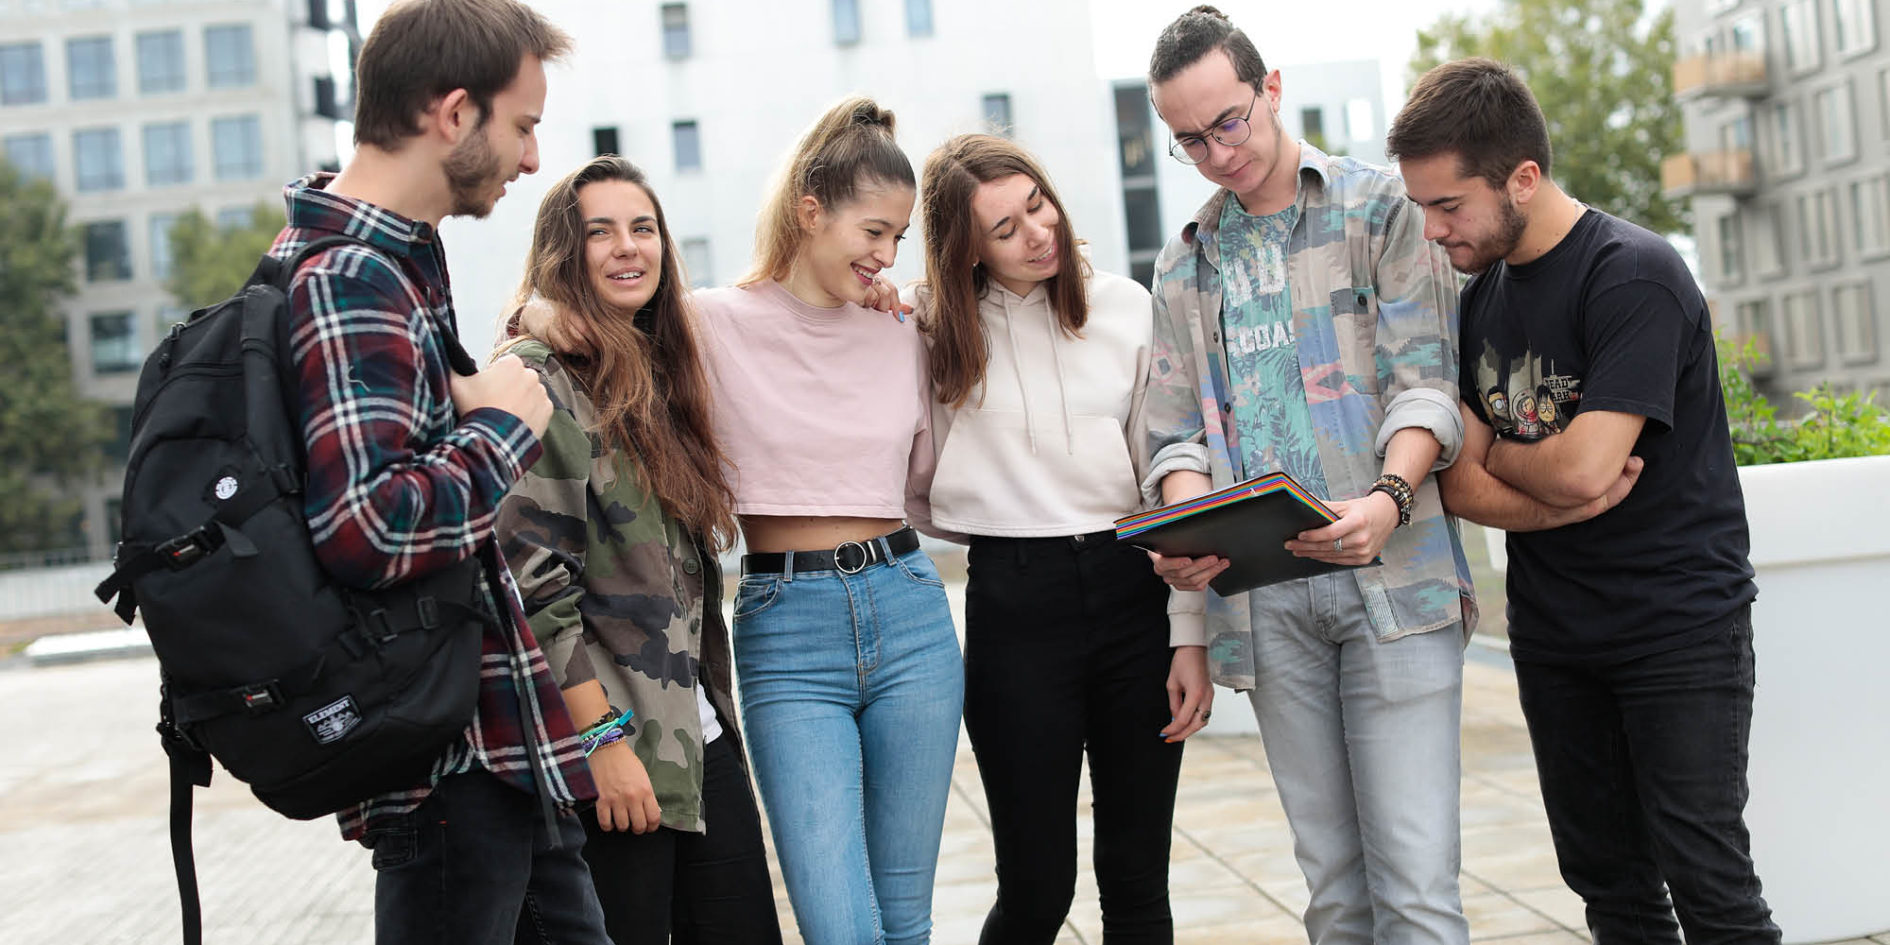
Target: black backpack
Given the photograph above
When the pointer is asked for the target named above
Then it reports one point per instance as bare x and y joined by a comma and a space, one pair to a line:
318, 696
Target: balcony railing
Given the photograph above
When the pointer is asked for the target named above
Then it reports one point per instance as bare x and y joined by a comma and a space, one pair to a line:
1709, 172
1732, 74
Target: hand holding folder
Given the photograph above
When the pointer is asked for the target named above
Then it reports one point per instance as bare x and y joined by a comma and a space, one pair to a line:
1247, 523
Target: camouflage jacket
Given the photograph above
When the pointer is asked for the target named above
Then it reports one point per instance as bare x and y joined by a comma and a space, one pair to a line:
618, 591
1375, 312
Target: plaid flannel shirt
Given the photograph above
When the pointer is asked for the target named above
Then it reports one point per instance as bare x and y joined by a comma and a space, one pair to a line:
399, 485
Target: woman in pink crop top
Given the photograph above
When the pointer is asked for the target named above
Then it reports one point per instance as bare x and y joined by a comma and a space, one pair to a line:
1038, 363
851, 680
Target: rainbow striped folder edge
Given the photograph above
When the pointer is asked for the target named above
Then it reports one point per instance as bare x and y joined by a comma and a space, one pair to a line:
1247, 523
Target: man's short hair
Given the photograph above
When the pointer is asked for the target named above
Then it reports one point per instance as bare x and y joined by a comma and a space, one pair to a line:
1198, 32
421, 50
1478, 109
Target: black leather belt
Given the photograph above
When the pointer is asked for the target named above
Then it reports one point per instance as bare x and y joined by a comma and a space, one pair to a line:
849, 557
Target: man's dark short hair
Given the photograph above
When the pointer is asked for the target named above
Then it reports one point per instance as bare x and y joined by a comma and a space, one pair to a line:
1198, 32
421, 50
1478, 109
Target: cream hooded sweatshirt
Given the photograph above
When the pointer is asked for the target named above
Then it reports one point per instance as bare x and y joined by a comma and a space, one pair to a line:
1039, 449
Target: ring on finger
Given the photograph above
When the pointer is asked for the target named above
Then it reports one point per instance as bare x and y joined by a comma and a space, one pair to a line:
1338, 544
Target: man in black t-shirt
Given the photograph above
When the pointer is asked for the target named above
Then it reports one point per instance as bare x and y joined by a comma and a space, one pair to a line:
1595, 434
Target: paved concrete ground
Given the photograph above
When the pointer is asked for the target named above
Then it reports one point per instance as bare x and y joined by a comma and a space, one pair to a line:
84, 854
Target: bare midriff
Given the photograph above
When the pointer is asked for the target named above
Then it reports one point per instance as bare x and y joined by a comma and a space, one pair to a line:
773, 533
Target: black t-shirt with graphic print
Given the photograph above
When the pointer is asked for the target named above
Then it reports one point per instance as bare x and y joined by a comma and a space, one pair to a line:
1610, 319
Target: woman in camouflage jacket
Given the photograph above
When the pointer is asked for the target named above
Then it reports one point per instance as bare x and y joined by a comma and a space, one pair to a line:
613, 537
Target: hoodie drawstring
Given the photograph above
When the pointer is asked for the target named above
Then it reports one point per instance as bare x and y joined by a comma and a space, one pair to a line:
1017, 367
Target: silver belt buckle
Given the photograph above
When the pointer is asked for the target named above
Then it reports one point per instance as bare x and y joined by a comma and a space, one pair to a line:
839, 560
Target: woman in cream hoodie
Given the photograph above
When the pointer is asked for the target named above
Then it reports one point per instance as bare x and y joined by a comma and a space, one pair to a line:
1037, 364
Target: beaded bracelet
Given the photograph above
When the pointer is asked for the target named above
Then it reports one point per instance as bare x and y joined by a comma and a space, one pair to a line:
1400, 492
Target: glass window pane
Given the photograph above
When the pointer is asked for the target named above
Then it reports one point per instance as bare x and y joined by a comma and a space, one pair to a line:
161, 62
675, 30
22, 74
114, 343
98, 160
238, 146
161, 258
90, 71
1143, 218
1855, 25
688, 146
846, 21
997, 113
1135, 136
167, 157
107, 251
31, 155
697, 263
919, 17
1856, 323
229, 55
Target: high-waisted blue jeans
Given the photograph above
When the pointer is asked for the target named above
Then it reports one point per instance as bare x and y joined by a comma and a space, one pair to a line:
851, 689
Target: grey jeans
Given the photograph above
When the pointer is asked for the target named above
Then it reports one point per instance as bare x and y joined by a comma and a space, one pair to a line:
1363, 741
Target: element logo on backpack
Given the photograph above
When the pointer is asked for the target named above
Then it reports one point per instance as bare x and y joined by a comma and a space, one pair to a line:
332, 722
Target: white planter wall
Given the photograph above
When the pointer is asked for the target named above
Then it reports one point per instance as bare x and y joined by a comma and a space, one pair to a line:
1820, 769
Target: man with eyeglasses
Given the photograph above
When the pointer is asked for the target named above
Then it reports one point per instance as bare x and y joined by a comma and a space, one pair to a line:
1303, 323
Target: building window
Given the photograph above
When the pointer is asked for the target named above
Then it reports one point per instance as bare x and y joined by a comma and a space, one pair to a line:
1856, 323
918, 17
604, 141
90, 70
236, 218
675, 17
98, 159
697, 265
1753, 319
238, 146
31, 155
1804, 333
114, 343
997, 113
161, 259
22, 74
160, 62
1748, 34
107, 252
1786, 153
688, 139
1731, 252
1837, 123
167, 158
1855, 26
1799, 22
1736, 135
229, 53
1768, 243
1870, 215
1140, 210
1819, 219
846, 22
1312, 126
1883, 98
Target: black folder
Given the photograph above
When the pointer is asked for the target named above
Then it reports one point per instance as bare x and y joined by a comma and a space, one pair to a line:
1247, 523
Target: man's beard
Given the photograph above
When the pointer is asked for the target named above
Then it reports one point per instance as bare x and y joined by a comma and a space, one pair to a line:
1508, 234
471, 170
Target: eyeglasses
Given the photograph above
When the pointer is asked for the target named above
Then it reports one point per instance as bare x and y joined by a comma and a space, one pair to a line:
1193, 149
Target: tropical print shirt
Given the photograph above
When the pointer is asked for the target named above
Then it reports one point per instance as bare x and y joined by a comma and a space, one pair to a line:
1375, 321
400, 485
618, 591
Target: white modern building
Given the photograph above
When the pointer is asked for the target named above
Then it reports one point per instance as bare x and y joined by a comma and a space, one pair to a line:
1787, 163
138, 110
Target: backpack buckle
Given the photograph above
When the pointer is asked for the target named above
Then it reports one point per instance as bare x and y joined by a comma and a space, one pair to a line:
428, 611
186, 549
258, 698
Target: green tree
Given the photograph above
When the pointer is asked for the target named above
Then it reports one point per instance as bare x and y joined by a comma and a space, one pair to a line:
50, 437
211, 262
1603, 72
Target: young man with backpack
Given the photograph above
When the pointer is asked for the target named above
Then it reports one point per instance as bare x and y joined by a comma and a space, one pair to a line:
407, 461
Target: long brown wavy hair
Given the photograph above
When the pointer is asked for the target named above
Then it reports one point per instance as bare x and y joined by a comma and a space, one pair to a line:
849, 147
954, 280
650, 389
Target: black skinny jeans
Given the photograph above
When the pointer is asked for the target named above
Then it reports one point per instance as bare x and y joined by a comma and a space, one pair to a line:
677, 886
1643, 771
1066, 650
